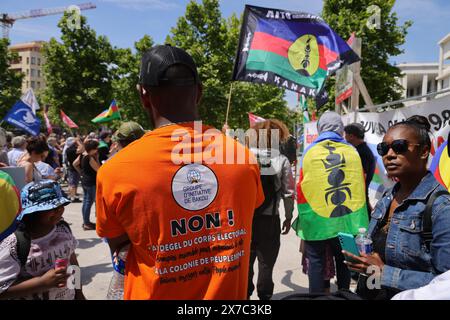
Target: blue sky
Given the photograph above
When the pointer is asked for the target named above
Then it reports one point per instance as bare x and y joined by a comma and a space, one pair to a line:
125, 21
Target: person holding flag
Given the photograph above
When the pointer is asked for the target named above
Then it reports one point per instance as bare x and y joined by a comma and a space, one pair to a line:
331, 199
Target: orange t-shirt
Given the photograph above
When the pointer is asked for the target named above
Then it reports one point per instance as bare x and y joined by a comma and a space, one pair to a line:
189, 223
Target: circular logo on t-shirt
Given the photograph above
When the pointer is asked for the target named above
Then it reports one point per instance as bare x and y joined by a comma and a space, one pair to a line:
194, 187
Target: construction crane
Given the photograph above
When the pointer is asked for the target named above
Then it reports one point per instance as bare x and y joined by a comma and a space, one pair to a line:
7, 20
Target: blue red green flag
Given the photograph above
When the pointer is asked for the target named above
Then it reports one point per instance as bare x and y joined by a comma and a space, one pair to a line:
293, 50
109, 114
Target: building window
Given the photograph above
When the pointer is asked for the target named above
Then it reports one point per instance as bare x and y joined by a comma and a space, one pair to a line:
28, 84
33, 73
39, 73
28, 60
32, 84
28, 72
33, 60
39, 61
39, 85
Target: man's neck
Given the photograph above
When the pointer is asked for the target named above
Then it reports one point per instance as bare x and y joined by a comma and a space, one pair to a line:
161, 121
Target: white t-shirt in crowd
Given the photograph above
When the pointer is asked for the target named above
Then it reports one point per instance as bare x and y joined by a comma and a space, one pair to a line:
45, 169
14, 155
58, 244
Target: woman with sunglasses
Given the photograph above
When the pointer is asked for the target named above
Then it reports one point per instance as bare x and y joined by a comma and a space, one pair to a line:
401, 256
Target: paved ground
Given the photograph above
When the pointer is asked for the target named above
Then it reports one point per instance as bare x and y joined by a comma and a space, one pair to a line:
96, 270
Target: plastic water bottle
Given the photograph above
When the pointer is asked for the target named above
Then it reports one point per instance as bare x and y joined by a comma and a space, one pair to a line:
116, 286
363, 242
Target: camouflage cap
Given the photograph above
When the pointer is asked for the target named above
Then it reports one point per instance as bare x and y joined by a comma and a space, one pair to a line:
129, 131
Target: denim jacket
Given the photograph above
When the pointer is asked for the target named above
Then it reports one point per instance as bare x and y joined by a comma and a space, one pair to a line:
408, 263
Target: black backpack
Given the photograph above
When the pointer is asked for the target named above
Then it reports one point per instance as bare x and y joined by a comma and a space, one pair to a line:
289, 149
24, 242
270, 193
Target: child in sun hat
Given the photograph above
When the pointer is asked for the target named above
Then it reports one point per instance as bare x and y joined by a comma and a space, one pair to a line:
34, 259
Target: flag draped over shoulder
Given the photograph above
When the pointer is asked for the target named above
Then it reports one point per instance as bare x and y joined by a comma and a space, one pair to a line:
109, 114
10, 206
440, 166
293, 50
21, 116
331, 190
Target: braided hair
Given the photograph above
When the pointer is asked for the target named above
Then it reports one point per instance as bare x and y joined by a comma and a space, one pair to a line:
421, 126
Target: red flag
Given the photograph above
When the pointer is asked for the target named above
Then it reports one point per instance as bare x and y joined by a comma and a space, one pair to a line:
313, 116
47, 122
254, 119
67, 120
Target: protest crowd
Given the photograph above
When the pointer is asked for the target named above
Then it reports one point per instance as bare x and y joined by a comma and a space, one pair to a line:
167, 204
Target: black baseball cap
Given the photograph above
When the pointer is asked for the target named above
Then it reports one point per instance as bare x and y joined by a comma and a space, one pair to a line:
158, 59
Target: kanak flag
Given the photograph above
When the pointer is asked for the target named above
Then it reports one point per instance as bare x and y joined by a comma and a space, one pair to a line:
293, 50
68, 121
254, 119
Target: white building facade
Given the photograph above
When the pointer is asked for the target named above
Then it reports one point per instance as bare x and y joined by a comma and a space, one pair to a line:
422, 78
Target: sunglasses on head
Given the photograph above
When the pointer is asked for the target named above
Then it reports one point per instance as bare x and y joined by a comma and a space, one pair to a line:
398, 146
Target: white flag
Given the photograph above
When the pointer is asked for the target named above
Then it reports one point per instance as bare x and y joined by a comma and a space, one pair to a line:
30, 99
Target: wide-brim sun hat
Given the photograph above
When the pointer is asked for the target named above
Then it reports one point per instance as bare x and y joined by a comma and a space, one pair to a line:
41, 196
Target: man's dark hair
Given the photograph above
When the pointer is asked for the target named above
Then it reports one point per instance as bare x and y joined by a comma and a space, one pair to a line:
104, 135
91, 145
355, 129
37, 145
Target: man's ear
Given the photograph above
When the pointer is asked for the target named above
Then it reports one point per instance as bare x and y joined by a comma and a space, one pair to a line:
144, 96
199, 93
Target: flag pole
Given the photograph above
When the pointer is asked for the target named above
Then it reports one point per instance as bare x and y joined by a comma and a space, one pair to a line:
229, 103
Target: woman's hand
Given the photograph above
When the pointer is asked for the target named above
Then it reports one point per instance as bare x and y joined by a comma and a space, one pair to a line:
361, 263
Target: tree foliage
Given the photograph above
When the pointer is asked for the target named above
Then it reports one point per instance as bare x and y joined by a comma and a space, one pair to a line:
78, 73
378, 44
10, 80
212, 41
126, 75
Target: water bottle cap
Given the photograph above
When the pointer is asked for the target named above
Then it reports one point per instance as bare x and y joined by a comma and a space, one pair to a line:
362, 230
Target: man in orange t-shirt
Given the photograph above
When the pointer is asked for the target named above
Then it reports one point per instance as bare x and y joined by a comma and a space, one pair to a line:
183, 195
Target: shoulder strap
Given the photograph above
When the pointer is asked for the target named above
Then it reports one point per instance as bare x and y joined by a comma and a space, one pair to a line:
427, 223
23, 245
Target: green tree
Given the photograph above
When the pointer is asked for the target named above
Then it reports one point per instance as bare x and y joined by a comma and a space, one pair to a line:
10, 80
126, 75
212, 41
78, 73
378, 44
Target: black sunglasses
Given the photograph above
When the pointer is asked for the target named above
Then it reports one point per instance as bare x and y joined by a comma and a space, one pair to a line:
398, 146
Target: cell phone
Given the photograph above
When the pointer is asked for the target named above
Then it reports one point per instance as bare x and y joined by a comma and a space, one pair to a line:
348, 244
